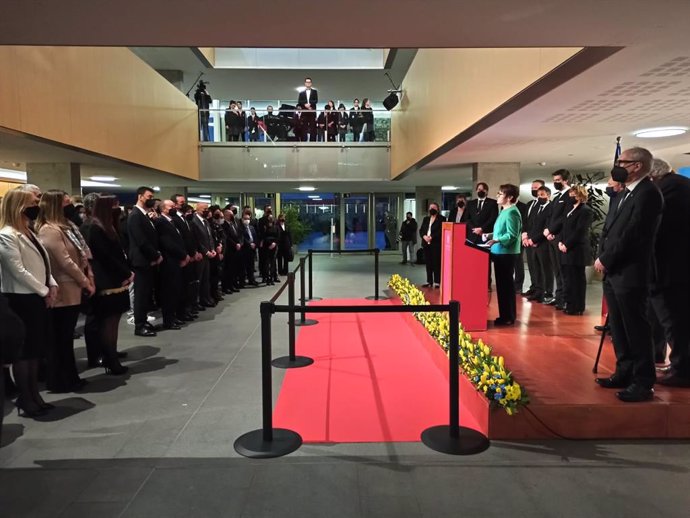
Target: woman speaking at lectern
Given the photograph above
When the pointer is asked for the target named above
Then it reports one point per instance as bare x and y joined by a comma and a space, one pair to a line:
505, 245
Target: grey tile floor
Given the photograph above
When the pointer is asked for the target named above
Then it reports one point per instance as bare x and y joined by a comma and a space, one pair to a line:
159, 442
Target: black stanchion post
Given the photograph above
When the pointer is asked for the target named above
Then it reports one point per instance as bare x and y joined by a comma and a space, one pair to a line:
291, 361
303, 297
376, 278
452, 438
311, 276
268, 441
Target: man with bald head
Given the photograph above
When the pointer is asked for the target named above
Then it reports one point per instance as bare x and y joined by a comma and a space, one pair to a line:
670, 291
626, 258
204, 236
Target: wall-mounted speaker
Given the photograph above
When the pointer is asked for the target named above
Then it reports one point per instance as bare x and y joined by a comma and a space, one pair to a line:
391, 101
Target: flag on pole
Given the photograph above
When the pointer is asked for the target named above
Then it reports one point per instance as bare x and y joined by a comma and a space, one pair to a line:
618, 150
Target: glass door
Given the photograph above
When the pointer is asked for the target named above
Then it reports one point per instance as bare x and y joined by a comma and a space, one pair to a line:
356, 217
318, 217
387, 209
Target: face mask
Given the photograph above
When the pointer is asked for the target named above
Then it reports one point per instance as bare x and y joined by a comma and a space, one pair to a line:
245, 222
31, 212
172, 212
69, 211
189, 217
534, 193
116, 213
149, 204
481, 194
461, 205
619, 174
204, 214
558, 186
433, 212
542, 201
610, 191
82, 216
409, 218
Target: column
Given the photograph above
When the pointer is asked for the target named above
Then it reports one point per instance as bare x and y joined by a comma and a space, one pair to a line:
495, 174
423, 197
63, 176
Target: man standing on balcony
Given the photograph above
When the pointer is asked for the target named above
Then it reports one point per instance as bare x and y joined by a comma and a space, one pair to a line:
203, 101
307, 100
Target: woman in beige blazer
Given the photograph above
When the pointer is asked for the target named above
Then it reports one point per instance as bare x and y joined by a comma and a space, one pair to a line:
30, 290
70, 265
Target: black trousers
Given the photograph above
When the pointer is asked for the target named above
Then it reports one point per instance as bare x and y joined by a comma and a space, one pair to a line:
283, 263
271, 264
575, 286
171, 290
520, 270
671, 306
309, 122
432, 259
214, 271
555, 255
263, 264
144, 281
228, 274
62, 372
247, 264
544, 269
531, 267
186, 300
631, 333
204, 282
504, 265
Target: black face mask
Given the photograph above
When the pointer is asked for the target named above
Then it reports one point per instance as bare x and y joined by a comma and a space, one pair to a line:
31, 212
481, 194
461, 205
558, 186
116, 212
611, 192
204, 214
149, 204
541, 201
69, 211
619, 174
433, 212
189, 217
172, 212
534, 193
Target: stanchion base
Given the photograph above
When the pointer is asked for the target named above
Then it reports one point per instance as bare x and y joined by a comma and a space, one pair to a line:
313, 299
252, 444
284, 362
470, 442
307, 322
380, 297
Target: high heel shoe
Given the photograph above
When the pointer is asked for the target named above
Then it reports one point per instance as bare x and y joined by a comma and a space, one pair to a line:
114, 367
23, 411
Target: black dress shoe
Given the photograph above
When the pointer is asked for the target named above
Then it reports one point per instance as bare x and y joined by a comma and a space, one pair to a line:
612, 382
122, 354
186, 318
572, 312
144, 332
427, 285
673, 380
602, 328
276, 280
172, 326
527, 293
535, 296
635, 394
501, 322
550, 301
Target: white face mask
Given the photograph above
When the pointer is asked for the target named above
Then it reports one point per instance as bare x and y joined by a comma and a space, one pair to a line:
245, 222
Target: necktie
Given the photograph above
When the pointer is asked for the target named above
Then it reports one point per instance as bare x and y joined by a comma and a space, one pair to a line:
626, 193
481, 203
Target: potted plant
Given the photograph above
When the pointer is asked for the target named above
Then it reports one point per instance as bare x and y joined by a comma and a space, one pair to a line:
298, 228
597, 203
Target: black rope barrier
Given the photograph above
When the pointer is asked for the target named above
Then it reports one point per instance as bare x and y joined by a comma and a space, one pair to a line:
292, 361
303, 297
275, 442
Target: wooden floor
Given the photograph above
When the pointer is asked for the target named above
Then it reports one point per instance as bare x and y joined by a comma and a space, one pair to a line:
552, 354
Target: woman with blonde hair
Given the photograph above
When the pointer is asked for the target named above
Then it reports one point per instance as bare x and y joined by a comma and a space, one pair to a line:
575, 251
69, 259
30, 289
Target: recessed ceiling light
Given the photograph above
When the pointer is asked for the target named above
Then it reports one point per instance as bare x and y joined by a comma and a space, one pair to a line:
103, 178
448, 188
90, 183
306, 188
156, 188
204, 196
660, 132
13, 175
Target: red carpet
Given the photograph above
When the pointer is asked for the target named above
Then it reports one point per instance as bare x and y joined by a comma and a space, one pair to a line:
371, 380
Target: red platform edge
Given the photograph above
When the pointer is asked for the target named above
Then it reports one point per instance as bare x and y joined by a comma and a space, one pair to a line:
663, 420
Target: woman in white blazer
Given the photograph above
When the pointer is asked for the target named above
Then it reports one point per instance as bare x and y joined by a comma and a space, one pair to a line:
30, 289
70, 266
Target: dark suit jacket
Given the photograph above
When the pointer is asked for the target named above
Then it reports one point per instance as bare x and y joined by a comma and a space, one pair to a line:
537, 223
171, 242
484, 218
233, 237
454, 213
143, 240
522, 207
284, 238
245, 235
185, 229
626, 247
562, 204
672, 250
575, 236
203, 234
435, 230
109, 263
529, 216
313, 100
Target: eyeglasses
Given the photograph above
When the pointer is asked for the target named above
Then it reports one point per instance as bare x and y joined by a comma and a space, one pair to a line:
621, 162
499, 193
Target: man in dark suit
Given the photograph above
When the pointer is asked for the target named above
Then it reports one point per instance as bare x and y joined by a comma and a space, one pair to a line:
519, 273
307, 100
251, 241
430, 232
204, 236
481, 214
626, 257
145, 256
187, 303
233, 250
356, 120
458, 213
562, 204
284, 254
175, 258
527, 224
670, 290
536, 240
261, 225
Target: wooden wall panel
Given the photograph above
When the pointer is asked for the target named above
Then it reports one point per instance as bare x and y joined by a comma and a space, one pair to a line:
104, 100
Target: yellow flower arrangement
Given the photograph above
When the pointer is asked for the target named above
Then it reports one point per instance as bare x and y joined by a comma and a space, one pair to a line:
484, 370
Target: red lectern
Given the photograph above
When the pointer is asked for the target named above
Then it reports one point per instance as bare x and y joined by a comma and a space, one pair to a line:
464, 276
